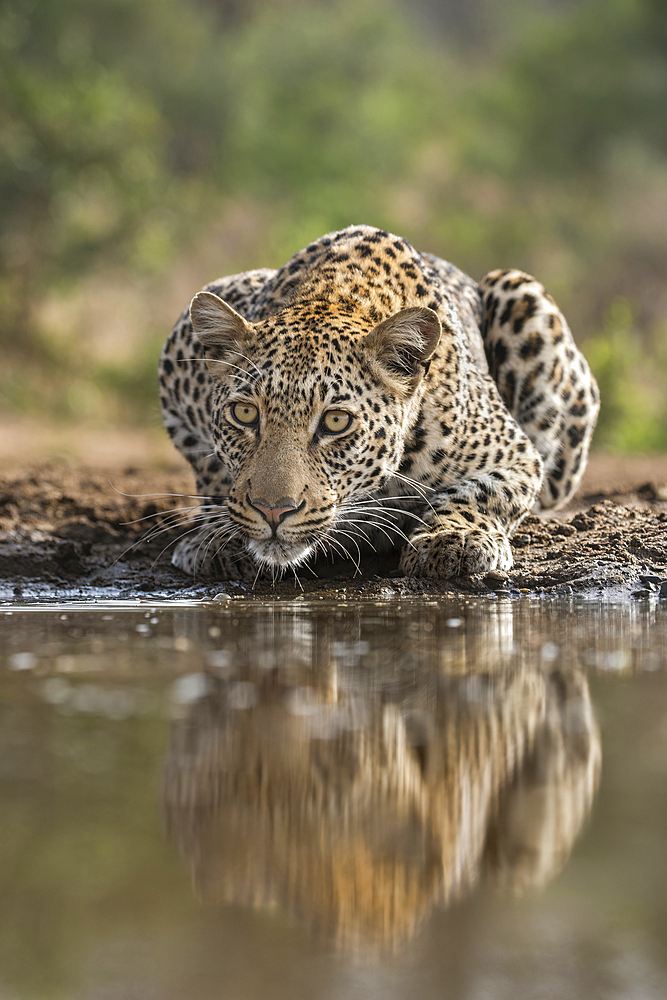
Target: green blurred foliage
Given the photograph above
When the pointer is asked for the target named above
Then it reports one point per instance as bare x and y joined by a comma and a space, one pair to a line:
575, 88
494, 135
633, 413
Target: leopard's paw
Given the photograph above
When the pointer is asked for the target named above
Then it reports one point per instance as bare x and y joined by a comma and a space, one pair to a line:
447, 552
205, 557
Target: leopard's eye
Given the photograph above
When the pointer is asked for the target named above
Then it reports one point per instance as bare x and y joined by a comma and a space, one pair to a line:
335, 421
245, 413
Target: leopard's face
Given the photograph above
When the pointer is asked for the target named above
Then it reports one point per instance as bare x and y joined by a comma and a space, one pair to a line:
310, 416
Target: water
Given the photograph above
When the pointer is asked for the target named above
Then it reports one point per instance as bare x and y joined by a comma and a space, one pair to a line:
451, 799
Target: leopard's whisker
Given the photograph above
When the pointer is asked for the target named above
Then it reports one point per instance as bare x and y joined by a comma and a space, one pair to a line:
170, 512
380, 528
208, 540
333, 545
420, 489
369, 516
197, 526
151, 534
346, 554
250, 361
213, 538
169, 524
218, 361
383, 500
173, 541
224, 542
362, 508
305, 563
157, 496
346, 533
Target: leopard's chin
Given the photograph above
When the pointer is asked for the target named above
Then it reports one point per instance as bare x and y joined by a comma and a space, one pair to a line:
274, 552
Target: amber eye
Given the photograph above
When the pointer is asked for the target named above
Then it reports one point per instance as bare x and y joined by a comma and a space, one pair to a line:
245, 413
335, 421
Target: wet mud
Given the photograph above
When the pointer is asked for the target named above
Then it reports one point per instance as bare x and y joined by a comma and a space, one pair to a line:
79, 532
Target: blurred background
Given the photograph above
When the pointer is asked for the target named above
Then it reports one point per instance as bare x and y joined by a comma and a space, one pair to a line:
150, 146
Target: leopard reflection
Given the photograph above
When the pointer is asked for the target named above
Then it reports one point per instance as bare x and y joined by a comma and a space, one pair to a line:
357, 817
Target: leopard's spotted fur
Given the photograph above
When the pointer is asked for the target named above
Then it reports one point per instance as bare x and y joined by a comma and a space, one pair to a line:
468, 406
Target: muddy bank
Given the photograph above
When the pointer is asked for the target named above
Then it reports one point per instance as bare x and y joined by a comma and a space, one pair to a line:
75, 532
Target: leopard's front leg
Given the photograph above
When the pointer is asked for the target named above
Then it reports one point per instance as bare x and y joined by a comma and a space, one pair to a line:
468, 524
454, 546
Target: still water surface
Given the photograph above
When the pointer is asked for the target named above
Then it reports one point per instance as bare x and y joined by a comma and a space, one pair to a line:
451, 799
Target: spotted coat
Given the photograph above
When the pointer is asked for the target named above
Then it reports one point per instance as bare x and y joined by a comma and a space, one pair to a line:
367, 396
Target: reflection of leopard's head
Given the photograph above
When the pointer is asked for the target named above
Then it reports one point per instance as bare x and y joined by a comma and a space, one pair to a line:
311, 408
358, 817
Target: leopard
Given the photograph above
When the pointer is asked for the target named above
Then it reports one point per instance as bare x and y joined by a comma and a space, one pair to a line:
369, 398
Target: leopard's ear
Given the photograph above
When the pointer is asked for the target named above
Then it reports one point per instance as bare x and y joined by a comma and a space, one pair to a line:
404, 343
220, 329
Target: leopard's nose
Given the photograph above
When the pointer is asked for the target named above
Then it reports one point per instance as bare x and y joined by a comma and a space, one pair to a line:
276, 513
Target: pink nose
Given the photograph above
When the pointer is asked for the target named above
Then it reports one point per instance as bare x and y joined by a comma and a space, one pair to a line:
274, 514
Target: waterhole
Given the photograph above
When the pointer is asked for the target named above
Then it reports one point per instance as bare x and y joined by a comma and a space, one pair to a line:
450, 798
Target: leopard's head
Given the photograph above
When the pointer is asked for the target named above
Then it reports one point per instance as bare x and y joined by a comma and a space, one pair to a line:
311, 409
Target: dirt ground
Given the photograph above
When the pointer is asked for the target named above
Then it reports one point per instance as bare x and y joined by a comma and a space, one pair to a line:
75, 527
